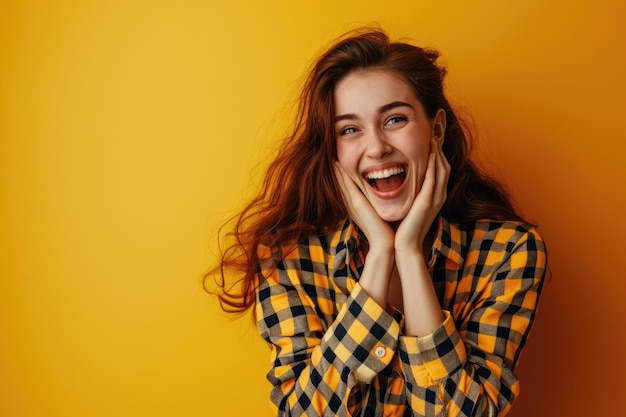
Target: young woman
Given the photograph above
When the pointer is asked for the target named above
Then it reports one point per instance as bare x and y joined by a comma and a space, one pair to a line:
388, 275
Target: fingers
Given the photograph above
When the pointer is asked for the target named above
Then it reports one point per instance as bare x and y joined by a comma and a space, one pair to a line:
429, 183
433, 191
428, 202
339, 174
346, 185
349, 191
360, 210
443, 174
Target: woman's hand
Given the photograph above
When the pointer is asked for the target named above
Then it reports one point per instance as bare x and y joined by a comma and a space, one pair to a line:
378, 232
422, 311
379, 261
412, 231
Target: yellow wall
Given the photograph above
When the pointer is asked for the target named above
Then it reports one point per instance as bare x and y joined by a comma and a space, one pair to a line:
128, 129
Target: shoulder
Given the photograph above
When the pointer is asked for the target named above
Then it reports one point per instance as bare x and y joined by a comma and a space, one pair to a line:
493, 243
488, 235
502, 233
312, 254
488, 245
306, 272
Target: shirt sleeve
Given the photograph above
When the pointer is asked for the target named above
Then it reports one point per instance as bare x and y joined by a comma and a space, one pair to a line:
313, 368
469, 371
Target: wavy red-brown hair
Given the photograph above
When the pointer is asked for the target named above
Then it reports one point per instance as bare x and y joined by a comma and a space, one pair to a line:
299, 196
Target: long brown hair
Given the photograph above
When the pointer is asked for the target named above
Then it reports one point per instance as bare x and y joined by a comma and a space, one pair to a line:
299, 196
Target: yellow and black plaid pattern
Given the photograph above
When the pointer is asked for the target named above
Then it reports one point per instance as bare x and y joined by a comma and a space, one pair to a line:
335, 351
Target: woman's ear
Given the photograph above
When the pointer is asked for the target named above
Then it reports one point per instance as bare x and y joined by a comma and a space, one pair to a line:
439, 125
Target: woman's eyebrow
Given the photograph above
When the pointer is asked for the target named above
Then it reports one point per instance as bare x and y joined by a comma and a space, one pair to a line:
349, 116
393, 105
382, 109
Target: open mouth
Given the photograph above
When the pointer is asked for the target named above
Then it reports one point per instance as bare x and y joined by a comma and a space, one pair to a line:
385, 180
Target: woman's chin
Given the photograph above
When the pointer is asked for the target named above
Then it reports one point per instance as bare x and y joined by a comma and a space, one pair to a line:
394, 210
391, 214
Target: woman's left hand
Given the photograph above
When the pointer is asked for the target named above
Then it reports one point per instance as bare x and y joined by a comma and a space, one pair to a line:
413, 229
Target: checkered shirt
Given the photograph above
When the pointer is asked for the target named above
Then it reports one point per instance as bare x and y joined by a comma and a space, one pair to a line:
336, 352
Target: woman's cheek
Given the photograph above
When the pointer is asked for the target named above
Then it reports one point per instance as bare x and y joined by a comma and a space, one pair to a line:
348, 164
421, 175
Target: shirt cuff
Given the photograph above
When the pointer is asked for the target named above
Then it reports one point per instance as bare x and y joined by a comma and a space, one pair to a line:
431, 358
363, 336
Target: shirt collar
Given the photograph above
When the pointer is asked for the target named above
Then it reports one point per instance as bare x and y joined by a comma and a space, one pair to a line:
344, 243
450, 242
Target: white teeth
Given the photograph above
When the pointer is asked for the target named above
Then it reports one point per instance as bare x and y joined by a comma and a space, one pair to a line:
384, 173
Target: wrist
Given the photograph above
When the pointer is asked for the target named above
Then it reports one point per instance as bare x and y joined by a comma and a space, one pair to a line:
381, 254
412, 250
411, 263
376, 274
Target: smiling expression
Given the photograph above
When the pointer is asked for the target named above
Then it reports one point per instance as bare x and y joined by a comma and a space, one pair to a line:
383, 138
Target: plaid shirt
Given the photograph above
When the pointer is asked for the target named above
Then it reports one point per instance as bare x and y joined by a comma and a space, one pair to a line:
335, 351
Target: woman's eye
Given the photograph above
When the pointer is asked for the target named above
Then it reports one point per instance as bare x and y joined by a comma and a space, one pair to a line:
395, 119
347, 131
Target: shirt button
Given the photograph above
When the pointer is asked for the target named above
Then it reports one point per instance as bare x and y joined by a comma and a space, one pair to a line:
380, 352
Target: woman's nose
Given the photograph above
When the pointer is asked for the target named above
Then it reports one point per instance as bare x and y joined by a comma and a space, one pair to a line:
377, 145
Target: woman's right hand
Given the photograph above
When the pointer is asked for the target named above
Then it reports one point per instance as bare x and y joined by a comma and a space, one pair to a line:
380, 258
378, 232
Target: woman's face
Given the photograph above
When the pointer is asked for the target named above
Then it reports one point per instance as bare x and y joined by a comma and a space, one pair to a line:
383, 138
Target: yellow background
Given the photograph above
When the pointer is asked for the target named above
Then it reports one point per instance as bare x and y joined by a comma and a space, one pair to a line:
128, 129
